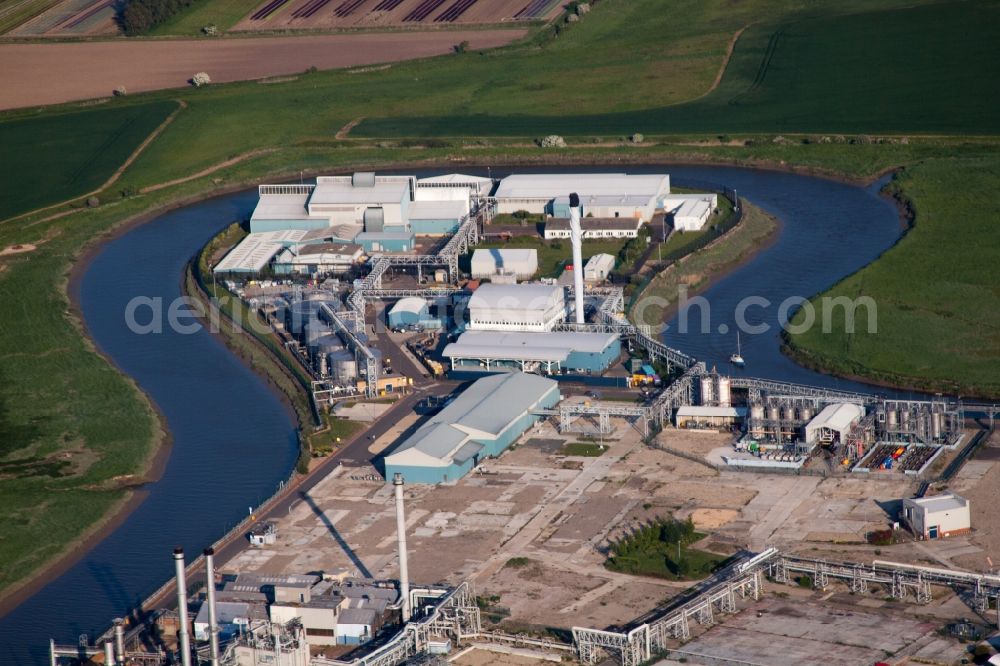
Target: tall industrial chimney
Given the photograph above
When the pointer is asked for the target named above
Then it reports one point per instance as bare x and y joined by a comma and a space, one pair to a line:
404, 574
213, 627
119, 640
182, 607
576, 234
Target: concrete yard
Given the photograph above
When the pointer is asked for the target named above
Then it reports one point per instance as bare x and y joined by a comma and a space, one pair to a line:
530, 529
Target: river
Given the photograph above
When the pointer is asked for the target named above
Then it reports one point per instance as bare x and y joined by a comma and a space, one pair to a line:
233, 440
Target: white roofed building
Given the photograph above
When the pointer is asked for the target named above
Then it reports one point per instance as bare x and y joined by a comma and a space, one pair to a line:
548, 353
598, 268
518, 262
690, 212
937, 516
833, 423
701, 415
601, 194
480, 423
519, 307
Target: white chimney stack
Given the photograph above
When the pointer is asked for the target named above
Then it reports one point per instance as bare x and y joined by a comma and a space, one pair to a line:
576, 235
404, 574
182, 608
213, 625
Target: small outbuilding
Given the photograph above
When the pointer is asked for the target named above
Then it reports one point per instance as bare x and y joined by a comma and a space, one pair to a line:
701, 416
598, 267
832, 424
937, 516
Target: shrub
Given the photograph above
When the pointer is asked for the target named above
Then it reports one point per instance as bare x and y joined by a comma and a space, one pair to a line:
552, 141
637, 138
200, 79
120, 91
461, 47
210, 30
93, 202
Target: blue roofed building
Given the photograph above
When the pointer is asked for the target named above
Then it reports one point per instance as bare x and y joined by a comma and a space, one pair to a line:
480, 423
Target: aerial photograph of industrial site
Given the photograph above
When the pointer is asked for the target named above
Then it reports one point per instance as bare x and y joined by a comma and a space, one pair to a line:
499, 332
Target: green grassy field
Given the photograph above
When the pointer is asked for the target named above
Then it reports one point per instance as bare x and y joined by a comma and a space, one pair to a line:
859, 73
55, 157
223, 14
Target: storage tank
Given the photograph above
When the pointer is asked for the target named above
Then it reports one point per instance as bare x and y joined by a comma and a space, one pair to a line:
790, 413
937, 425
890, 419
806, 413
707, 390
319, 363
756, 414
773, 413
325, 344
313, 331
904, 420
725, 392
341, 366
299, 314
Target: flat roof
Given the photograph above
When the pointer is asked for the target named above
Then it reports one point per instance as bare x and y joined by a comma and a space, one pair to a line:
599, 260
437, 210
694, 208
384, 235
515, 296
340, 190
701, 410
949, 502
550, 186
330, 248
503, 343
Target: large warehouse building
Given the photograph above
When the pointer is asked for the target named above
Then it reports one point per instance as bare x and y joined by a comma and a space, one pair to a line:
480, 423
601, 194
550, 353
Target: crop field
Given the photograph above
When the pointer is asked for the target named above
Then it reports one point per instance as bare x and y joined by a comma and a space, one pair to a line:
859, 73
72, 18
333, 14
54, 158
16, 12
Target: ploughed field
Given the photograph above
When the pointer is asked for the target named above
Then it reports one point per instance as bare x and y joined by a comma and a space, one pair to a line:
283, 14
53, 73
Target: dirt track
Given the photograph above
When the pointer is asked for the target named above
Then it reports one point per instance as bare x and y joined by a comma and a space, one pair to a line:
37, 74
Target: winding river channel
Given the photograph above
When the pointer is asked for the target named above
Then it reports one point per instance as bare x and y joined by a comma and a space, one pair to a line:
233, 440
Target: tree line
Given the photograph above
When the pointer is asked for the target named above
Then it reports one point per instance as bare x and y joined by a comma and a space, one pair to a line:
137, 17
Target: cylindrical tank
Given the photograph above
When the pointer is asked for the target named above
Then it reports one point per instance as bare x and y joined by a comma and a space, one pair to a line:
725, 392
937, 425
313, 331
773, 413
299, 314
325, 344
890, 419
707, 390
790, 413
904, 420
756, 414
806, 413
341, 366
321, 365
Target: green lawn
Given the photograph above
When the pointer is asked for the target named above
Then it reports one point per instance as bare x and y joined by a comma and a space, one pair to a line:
55, 157
915, 69
586, 449
552, 255
223, 14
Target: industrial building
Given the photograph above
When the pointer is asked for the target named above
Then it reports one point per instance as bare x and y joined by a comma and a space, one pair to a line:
522, 307
587, 353
481, 422
831, 426
690, 212
522, 264
937, 516
601, 194
412, 311
594, 227
598, 268
316, 258
701, 416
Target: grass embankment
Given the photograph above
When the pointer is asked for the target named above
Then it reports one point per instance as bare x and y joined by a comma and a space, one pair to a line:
936, 291
662, 548
658, 300
56, 157
250, 337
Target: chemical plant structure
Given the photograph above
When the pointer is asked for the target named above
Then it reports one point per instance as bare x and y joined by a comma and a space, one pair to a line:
363, 279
